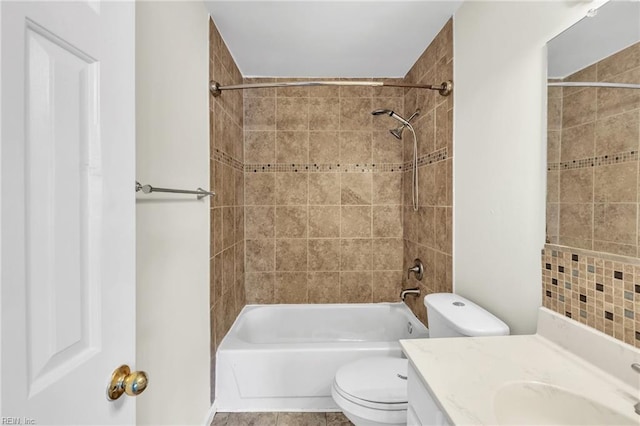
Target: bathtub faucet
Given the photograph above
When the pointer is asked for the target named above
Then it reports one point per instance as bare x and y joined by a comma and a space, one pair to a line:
415, 291
417, 269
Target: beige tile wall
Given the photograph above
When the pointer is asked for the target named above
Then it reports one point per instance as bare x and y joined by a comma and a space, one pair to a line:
227, 295
323, 197
328, 218
592, 198
427, 233
593, 143
320, 207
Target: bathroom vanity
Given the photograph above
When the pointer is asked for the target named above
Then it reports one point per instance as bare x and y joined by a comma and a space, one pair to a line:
422, 409
566, 373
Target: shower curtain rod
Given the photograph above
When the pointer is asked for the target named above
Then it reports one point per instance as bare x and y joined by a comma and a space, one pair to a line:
216, 89
592, 84
148, 189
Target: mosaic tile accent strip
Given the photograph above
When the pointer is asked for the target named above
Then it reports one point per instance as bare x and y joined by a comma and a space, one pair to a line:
323, 168
601, 293
225, 158
433, 157
603, 160
430, 158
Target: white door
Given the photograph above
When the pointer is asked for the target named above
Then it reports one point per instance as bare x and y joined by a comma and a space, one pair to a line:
67, 211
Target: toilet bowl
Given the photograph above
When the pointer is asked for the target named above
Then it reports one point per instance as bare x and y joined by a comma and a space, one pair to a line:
373, 391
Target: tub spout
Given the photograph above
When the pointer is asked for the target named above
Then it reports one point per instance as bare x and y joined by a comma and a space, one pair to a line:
415, 291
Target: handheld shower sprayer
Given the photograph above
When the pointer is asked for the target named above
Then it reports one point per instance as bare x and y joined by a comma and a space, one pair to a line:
397, 133
390, 113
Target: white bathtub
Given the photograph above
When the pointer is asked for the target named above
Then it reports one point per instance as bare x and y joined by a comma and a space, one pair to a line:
284, 357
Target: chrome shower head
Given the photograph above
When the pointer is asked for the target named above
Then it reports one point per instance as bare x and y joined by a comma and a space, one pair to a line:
397, 132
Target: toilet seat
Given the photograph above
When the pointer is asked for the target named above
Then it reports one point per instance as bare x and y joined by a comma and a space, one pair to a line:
373, 390
385, 406
374, 382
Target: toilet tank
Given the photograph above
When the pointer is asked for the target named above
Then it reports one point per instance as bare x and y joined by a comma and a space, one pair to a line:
451, 315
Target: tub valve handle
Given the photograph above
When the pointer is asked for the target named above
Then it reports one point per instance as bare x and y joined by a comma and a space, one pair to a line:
417, 269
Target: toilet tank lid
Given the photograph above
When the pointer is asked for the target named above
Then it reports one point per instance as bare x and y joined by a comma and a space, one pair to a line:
465, 316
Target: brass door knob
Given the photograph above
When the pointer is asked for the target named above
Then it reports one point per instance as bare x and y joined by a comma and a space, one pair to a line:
125, 381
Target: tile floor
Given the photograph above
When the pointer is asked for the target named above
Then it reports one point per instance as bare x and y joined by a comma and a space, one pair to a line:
280, 419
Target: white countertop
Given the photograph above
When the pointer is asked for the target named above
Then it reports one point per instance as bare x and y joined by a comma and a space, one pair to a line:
463, 374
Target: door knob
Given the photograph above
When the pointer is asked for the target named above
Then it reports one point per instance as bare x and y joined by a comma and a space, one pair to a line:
125, 381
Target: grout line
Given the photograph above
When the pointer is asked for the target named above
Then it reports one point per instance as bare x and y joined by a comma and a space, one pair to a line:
307, 197
340, 291
637, 201
244, 204
559, 153
371, 266
275, 203
593, 170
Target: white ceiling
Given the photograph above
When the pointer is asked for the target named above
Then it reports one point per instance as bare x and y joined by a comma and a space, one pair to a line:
615, 26
328, 38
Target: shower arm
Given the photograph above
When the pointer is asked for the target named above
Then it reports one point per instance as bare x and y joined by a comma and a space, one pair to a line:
413, 115
216, 89
406, 122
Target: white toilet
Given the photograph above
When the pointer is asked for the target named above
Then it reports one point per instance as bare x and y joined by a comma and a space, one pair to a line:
373, 391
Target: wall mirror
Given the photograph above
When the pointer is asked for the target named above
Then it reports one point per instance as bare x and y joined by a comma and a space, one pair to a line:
593, 132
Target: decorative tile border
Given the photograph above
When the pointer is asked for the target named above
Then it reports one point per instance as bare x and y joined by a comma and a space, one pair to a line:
430, 158
225, 158
433, 157
603, 160
601, 293
323, 168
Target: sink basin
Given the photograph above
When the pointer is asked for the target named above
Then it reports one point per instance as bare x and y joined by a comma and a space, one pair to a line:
535, 403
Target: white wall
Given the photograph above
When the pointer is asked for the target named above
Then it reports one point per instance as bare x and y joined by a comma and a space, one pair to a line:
500, 151
172, 51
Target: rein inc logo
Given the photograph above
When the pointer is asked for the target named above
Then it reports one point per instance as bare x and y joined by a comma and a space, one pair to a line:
17, 421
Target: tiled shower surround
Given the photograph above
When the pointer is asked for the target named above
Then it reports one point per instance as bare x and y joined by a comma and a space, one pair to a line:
323, 195
427, 233
313, 200
323, 199
227, 296
592, 199
328, 218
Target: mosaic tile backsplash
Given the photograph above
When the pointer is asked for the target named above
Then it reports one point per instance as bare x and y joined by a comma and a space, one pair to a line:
601, 291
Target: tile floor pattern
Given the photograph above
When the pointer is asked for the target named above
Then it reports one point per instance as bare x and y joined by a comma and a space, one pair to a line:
280, 419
